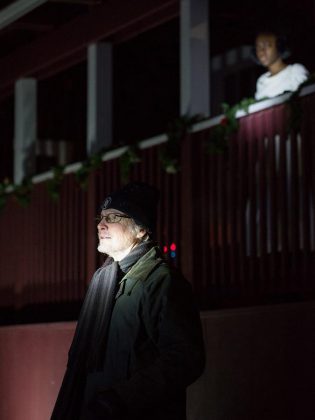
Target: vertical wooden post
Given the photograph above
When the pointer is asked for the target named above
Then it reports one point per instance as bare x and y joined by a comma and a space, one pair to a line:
194, 58
25, 129
99, 97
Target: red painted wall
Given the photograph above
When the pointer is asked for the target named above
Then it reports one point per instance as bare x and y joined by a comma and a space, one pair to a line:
260, 365
32, 364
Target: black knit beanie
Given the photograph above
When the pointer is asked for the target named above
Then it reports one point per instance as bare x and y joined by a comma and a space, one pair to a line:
138, 200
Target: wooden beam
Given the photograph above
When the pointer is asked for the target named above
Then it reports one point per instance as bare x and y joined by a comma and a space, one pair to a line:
17, 9
103, 22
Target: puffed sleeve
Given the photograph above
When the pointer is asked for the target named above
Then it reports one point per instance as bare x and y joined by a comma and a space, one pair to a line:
299, 74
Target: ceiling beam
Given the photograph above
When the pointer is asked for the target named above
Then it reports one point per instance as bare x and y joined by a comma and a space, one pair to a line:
71, 40
16, 10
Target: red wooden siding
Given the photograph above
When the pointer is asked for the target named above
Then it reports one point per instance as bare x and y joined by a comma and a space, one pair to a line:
243, 221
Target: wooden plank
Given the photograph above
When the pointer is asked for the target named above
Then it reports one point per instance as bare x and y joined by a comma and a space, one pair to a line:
72, 39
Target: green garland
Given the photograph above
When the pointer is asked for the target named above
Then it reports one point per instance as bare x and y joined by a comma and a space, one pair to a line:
3, 193
169, 152
21, 192
220, 134
54, 184
92, 163
129, 158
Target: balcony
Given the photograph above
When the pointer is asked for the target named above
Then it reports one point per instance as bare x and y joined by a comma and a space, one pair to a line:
242, 221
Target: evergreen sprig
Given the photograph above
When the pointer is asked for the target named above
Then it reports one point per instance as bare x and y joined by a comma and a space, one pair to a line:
22, 192
127, 160
3, 192
54, 184
170, 150
220, 134
92, 163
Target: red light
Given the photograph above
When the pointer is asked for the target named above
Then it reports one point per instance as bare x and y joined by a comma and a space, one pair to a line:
165, 249
173, 247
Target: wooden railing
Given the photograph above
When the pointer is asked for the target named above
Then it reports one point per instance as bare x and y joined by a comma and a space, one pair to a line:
252, 218
243, 221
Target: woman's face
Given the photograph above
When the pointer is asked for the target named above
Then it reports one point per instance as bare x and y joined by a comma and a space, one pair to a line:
266, 49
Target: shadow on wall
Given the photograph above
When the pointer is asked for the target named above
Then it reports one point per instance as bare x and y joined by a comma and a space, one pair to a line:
260, 365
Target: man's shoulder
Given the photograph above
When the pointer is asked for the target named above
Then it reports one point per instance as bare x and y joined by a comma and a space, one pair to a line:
153, 267
149, 262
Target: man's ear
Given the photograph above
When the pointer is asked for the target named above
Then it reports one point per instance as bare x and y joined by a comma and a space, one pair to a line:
141, 233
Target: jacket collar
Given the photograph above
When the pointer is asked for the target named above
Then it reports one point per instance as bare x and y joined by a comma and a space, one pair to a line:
143, 267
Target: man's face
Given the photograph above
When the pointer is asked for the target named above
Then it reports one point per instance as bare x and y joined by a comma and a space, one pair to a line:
266, 49
116, 235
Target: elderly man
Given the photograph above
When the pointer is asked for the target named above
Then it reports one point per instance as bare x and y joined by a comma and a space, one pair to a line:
138, 342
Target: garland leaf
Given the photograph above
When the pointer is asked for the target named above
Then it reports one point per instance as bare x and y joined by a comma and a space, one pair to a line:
3, 192
221, 133
82, 174
177, 129
54, 184
129, 158
22, 192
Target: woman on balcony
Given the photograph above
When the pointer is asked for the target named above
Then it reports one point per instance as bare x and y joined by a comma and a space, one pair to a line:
138, 342
271, 51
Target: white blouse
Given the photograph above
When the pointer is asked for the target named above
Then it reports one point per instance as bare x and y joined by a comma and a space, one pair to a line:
287, 80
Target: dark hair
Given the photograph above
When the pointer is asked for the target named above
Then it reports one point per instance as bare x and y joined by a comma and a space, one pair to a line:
281, 44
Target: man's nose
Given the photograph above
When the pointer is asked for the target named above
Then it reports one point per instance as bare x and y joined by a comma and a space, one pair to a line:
102, 225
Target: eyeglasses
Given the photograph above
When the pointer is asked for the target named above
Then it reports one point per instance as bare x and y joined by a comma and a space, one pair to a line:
111, 217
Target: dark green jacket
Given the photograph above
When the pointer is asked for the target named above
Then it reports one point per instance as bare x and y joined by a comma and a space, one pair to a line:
154, 347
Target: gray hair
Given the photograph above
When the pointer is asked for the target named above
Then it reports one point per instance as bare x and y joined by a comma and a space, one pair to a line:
135, 229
